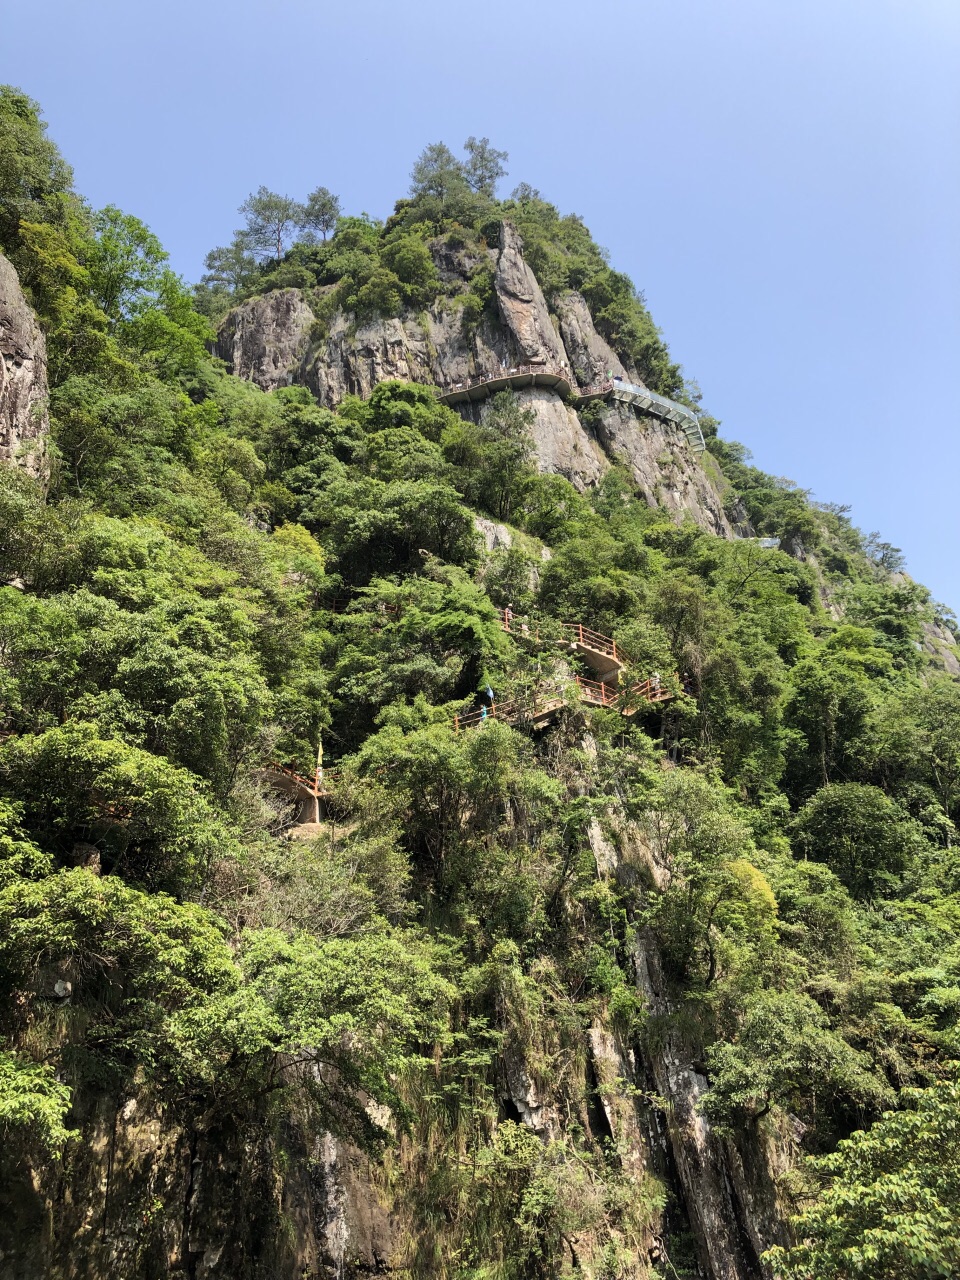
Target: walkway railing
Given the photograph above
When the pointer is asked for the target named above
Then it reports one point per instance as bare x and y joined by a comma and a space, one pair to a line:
316, 786
571, 633
641, 397
660, 407
594, 692
518, 374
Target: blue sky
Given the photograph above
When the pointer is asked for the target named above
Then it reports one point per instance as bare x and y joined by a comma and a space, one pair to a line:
780, 178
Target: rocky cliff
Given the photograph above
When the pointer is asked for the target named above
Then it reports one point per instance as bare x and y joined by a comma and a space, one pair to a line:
268, 339
149, 1193
23, 378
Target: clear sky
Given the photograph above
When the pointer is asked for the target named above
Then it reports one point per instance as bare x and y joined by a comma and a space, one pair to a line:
780, 177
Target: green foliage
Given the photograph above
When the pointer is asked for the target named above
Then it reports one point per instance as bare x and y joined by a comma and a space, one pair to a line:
485, 165
270, 221
322, 211
231, 269
491, 460
34, 177
218, 577
146, 817
32, 1099
890, 1198
862, 834
125, 262
785, 1053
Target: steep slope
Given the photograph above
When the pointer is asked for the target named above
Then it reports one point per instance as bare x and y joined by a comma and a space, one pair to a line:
575, 989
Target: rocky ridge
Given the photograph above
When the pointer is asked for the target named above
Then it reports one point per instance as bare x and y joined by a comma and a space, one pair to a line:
268, 340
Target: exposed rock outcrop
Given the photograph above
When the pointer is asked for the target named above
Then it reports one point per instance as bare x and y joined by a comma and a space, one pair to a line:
264, 339
226, 1210
590, 357
561, 443
730, 1198
523, 307
24, 424
660, 461
939, 644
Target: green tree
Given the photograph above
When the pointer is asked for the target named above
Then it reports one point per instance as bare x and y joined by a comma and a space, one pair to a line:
485, 166
409, 259
492, 459
34, 177
271, 220
230, 269
148, 819
784, 1054
868, 840
126, 263
321, 211
890, 1199
437, 173
32, 1098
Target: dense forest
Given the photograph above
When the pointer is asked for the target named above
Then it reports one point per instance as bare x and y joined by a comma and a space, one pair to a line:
212, 579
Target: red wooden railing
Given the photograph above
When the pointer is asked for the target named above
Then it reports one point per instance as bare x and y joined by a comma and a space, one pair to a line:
573, 633
314, 785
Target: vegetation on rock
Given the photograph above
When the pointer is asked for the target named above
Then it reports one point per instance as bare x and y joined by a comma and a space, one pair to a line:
219, 576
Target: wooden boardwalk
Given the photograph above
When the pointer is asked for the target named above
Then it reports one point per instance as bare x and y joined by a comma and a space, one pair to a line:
598, 651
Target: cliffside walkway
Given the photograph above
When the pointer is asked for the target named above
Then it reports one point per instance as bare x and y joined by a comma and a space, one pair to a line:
600, 652
563, 382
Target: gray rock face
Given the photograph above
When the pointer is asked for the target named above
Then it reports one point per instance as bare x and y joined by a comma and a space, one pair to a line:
560, 442
590, 356
939, 644
24, 424
523, 307
663, 467
264, 339
731, 1201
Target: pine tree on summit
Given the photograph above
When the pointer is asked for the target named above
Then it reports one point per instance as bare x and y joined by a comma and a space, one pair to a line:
485, 166
321, 211
271, 221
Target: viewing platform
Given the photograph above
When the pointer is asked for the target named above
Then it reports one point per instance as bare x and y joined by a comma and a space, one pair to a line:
564, 384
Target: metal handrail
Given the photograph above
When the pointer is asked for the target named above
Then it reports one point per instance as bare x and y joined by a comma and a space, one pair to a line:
594, 640
652, 401
515, 371
582, 635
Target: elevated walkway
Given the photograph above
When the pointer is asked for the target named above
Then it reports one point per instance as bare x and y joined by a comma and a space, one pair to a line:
599, 652
515, 379
594, 693
563, 382
660, 407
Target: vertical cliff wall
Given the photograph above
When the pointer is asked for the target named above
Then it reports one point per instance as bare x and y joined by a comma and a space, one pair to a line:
23, 378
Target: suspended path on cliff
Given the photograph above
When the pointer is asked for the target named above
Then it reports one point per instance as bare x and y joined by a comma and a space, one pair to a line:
565, 384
